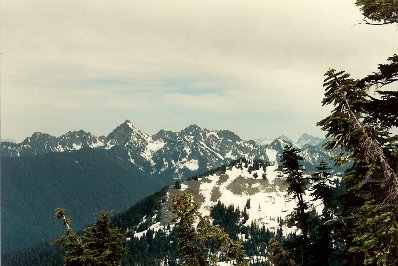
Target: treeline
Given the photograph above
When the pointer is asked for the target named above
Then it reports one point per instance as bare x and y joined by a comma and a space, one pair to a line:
241, 163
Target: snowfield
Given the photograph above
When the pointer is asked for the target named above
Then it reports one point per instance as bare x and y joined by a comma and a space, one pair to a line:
264, 199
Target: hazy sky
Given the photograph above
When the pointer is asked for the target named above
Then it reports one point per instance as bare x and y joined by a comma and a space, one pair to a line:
253, 67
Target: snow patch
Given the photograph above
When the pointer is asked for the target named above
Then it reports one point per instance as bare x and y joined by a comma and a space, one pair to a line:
192, 165
271, 154
96, 144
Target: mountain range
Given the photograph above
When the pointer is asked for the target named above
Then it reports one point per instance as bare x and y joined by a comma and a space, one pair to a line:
84, 173
172, 155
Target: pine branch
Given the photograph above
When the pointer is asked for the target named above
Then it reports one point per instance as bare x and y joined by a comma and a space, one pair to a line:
372, 148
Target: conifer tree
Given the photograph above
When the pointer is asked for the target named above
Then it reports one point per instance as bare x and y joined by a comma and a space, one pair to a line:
74, 249
278, 256
99, 244
365, 140
379, 12
296, 188
323, 190
194, 241
360, 125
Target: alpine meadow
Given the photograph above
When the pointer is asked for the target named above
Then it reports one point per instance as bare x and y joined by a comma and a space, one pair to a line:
262, 189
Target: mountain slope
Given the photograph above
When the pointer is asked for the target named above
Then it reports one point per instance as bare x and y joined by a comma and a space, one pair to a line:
248, 199
83, 182
255, 187
307, 139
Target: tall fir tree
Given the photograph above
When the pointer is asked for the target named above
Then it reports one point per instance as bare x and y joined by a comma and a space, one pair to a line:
296, 182
367, 142
99, 244
278, 256
199, 242
379, 12
323, 190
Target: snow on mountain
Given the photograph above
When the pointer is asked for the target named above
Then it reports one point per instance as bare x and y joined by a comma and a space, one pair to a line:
195, 150
307, 139
261, 193
40, 143
172, 154
264, 141
284, 139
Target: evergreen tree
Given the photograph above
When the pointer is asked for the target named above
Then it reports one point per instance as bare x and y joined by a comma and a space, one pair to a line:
379, 12
102, 243
323, 225
177, 184
296, 188
366, 141
278, 255
360, 127
99, 244
195, 242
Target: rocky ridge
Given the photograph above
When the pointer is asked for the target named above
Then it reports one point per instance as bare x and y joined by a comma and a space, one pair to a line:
173, 154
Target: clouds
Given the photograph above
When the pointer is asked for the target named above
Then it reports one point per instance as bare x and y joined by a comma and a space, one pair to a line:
142, 59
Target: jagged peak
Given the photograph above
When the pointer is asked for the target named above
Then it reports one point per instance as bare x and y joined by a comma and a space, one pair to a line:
79, 133
164, 134
284, 138
229, 133
192, 128
125, 126
38, 136
41, 134
307, 139
129, 124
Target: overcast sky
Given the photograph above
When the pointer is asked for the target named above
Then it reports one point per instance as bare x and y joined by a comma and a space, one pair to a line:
253, 67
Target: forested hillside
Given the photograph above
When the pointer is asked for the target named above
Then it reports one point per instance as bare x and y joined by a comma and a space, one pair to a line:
83, 182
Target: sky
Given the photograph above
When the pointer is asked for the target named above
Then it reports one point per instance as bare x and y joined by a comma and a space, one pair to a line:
253, 67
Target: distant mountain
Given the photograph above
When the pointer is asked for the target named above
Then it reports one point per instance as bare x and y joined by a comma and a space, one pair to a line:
83, 182
307, 139
263, 141
41, 143
171, 155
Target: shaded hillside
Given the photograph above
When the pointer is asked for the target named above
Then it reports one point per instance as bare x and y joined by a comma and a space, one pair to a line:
83, 182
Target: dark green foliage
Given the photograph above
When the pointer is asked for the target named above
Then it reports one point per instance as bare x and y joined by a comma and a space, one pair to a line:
376, 233
83, 182
300, 217
203, 244
379, 11
145, 207
37, 255
323, 225
152, 248
247, 206
177, 184
372, 180
98, 245
278, 256
360, 125
356, 132
226, 217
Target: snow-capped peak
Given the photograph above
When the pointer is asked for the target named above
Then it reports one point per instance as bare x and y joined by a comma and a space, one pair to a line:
285, 139
307, 139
